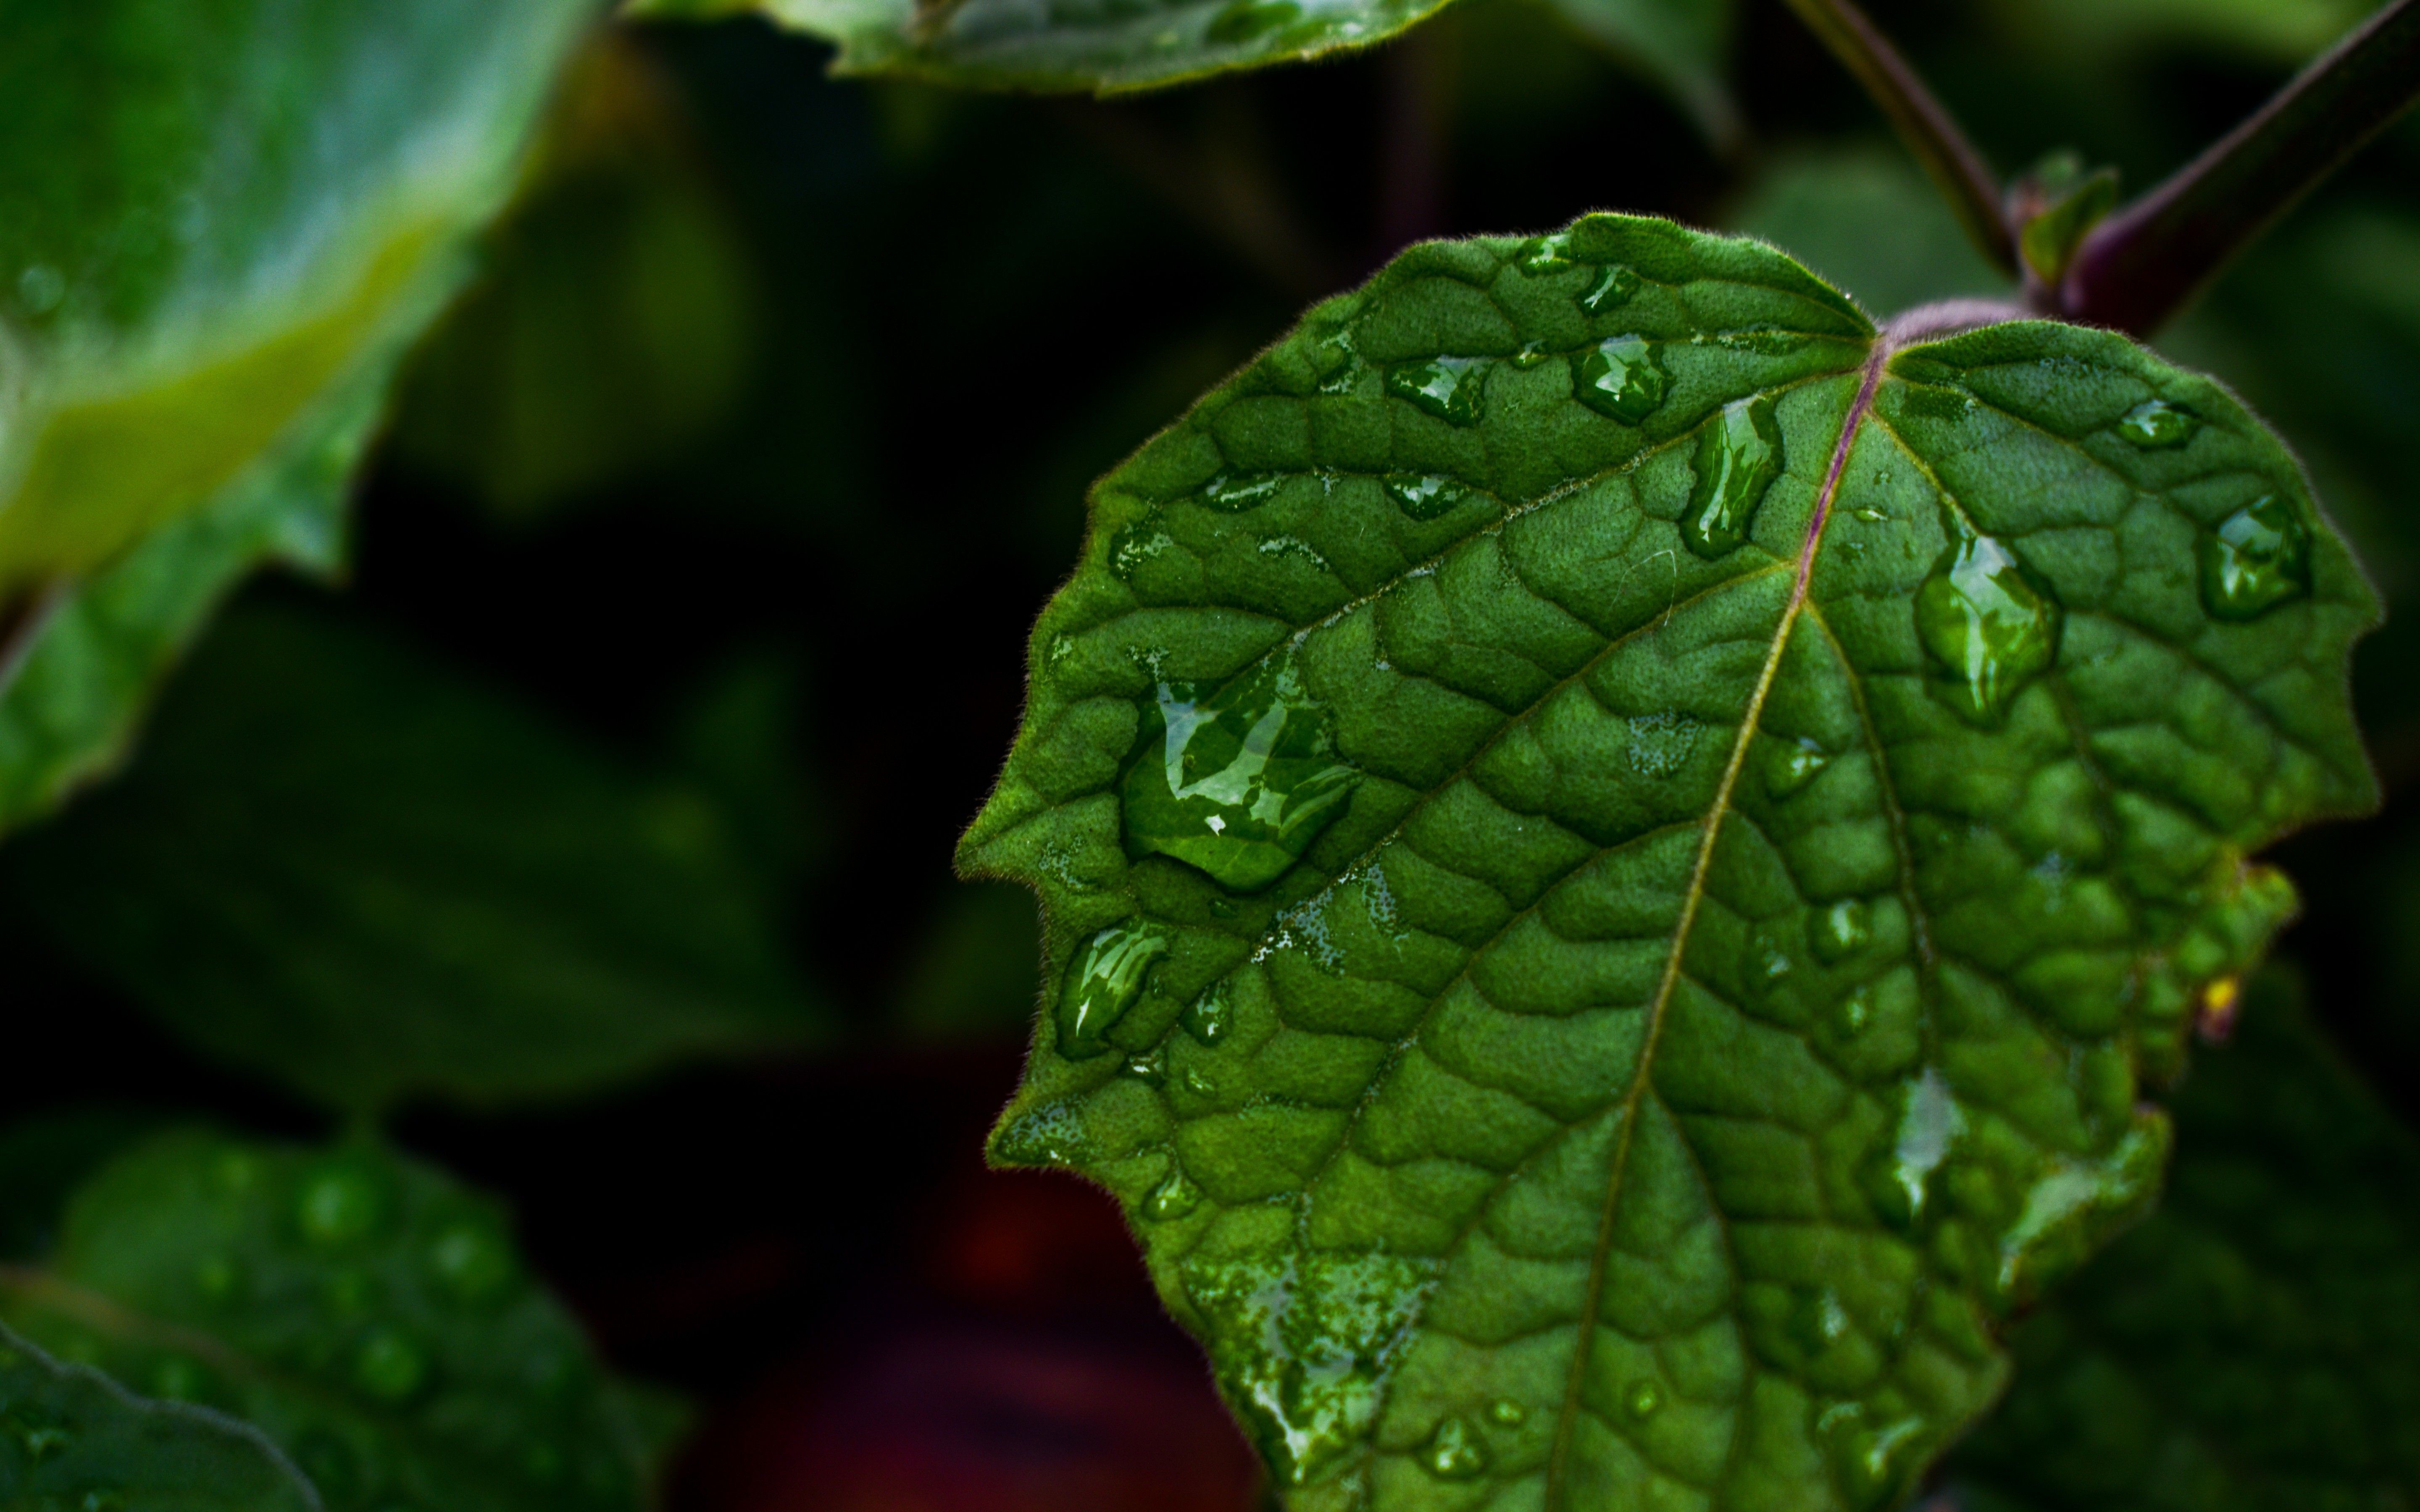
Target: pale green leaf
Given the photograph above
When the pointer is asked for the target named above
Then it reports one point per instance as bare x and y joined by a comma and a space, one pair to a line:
2254, 1345
1667, 1001
340, 863
70, 1437
372, 1316
1097, 46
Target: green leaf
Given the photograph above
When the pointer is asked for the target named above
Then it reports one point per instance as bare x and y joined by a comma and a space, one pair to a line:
2276, 31
369, 1313
70, 1437
225, 222
340, 863
1825, 204
1101, 46
1797, 784
2256, 1343
1684, 45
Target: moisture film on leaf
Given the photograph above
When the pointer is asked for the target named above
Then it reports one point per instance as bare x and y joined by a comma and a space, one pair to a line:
1795, 786
70, 1437
2255, 1344
1097, 46
225, 222
372, 1316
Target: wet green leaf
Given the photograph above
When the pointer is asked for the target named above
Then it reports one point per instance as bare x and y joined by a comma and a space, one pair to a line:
345, 865
224, 220
372, 1316
2255, 1344
70, 1437
1097, 46
1732, 980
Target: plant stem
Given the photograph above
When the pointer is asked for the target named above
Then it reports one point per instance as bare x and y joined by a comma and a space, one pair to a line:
1921, 120
2143, 264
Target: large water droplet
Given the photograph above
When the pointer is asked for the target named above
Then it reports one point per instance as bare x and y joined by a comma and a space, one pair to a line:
1739, 454
1449, 388
1642, 1399
1929, 1121
1455, 1451
1234, 492
1174, 1198
1987, 623
339, 1204
1793, 765
1207, 1017
2258, 557
1621, 376
1104, 983
1424, 495
2156, 424
390, 1366
1613, 289
1839, 931
1542, 255
1238, 783
471, 1261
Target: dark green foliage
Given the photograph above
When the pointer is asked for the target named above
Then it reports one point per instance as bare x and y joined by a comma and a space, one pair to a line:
341, 864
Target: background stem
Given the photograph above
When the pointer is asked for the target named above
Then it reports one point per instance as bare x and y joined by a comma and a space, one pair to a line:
2145, 262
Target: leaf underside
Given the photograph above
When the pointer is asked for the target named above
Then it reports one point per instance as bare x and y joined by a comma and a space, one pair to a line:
1097, 46
1721, 813
369, 1315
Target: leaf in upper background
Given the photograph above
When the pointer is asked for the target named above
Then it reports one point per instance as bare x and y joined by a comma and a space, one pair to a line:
2255, 1345
614, 328
370, 1315
1683, 45
74, 1438
2278, 31
1613, 871
223, 223
1098, 46
343, 865
45, 1157
1825, 204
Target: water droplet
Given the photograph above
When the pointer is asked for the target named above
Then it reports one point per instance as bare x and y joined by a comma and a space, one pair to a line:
1660, 743
1449, 388
1613, 289
41, 1438
1762, 340
1200, 1082
1236, 492
1771, 965
1874, 1462
1852, 1012
1792, 765
215, 1277
1238, 783
1135, 545
471, 1261
40, 288
1174, 1198
1542, 255
1104, 983
1929, 1121
389, 1367
1739, 454
2156, 425
1336, 363
1150, 1068
1839, 931
1207, 1017
1642, 1399
1455, 1451
1506, 1410
2258, 557
340, 1204
1621, 376
1533, 354
1049, 1135
2074, 1204
1989, 624
1424, 495
1248, 21
1869, 513
1817, 1322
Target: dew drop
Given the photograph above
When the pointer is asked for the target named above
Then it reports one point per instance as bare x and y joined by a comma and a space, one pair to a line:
1989, 624
1174, 1198
41, 1440
1792, 765
1455, 1451
1851, 1013
2156, 425
1207, 1017
1613, 289
1621, 376
1200, 1082
1929, 1123
1739, 454
1049, 1135
1135, 545
471, 1261
2258, 558
1873, 1463
1770, 964
1236, 492
1237, 783
1533, 354
1660, 743
1449, 387
1542, 255
1104, 983
1424, 495
1642, 1399
1839, 931
1151, 1067
1506, 1410
340, 1204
